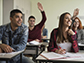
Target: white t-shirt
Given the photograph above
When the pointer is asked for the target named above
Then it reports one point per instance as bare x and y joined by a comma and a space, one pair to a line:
65, 45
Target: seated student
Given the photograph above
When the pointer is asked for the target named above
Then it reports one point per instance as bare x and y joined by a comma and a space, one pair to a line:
44, 33
14, 37
35, 30
77, 26
63, 38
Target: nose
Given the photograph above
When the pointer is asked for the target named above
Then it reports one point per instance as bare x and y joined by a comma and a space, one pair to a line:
20, 19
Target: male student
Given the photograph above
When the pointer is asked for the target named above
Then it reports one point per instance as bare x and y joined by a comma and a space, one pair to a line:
14, 37
35, 30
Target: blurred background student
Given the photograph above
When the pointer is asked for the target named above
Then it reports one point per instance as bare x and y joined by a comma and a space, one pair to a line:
44, 33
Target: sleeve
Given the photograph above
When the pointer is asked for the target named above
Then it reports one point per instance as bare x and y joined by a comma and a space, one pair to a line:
40, 25
81, 40
52, 44
74, 43
22, 41
1, 32
30, 40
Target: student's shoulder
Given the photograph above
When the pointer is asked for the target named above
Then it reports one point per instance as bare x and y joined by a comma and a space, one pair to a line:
4, 26
24, 26
55, 30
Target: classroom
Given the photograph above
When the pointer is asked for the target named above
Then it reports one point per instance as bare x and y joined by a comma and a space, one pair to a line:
41, 31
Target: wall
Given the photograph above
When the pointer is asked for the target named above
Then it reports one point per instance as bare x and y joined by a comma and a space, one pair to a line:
7, 7
24, 6
1, 11
54, 8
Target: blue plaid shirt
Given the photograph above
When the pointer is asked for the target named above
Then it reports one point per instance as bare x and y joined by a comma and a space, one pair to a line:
15, 39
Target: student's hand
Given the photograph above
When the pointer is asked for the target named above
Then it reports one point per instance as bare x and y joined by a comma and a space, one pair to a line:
71, 32
61, 51
40, 7
0, 50
37, 40
76, 12
6, 48
43, 37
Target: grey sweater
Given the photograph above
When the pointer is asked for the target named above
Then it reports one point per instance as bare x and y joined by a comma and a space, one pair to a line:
80, 36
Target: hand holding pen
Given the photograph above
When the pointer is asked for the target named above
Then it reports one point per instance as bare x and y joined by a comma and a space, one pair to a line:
60, 51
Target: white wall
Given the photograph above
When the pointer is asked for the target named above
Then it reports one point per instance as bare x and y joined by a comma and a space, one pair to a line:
1, 12
54, 8
24, 6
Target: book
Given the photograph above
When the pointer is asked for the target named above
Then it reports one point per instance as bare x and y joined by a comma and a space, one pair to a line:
68, 55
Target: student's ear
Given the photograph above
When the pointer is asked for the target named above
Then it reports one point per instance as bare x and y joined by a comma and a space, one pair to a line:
28, 21
10, 18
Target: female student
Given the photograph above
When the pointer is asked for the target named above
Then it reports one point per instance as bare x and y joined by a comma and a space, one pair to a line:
77, 26
63, 38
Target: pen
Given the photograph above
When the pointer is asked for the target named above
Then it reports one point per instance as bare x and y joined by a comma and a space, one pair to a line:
61, 48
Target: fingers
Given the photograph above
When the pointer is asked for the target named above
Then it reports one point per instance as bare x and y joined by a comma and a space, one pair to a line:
6, 48
62, 51
40, 7
70, 32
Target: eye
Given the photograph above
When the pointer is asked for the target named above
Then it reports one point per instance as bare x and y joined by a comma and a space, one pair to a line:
17, 16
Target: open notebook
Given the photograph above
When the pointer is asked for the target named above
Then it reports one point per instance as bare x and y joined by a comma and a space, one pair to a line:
53, 55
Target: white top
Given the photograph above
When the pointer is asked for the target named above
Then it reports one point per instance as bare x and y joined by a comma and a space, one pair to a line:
65, 45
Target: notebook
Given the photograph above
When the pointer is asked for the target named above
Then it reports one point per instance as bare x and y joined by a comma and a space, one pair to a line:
68, 55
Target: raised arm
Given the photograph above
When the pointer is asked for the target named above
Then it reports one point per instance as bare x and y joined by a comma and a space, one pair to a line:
40, 7
75, 13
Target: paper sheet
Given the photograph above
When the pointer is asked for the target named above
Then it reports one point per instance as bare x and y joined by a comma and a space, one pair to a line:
53, 55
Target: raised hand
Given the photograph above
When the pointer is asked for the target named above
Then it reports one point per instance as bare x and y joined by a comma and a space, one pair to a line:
40, 7
76, 12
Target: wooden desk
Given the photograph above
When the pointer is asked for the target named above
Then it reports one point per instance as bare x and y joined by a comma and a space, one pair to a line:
41, 59
8, 56
35, 52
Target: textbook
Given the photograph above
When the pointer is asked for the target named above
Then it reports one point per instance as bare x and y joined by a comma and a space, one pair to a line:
68, 55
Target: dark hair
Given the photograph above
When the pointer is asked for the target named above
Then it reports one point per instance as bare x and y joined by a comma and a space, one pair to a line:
31, 17
61, 24
12, 13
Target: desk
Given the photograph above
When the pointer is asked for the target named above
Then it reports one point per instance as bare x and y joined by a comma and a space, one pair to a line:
35, 52
41, 59
81, 46
8, 56
46, 39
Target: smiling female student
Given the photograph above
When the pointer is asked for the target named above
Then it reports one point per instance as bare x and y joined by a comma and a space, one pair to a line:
63, 38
